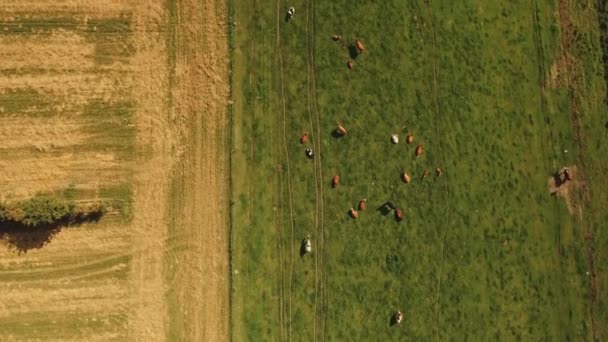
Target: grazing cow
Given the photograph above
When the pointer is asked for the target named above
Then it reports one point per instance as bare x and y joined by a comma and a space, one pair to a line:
309, 153
425, 174
362, 204
405, 177
353, 213
410, 138
398, 317
304, 138
336, 37
567, 174
341, 130
335, 182
307, 245
399, 214
438, 171
290, 12
419, 150
395, 139
359, 46
350, 65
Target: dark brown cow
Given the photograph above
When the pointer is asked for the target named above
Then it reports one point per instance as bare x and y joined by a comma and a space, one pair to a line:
399, 214
362, 204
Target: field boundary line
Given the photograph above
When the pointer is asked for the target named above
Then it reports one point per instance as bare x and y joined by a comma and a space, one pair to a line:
286, 153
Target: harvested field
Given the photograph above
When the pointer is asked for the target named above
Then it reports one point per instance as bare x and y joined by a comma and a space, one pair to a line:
101, 101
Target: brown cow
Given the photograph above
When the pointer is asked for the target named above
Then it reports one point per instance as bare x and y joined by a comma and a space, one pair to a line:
425, 174
359, 46
405, 177
304, 138
341, 130
335, 182
410, 138
353, 213
336, 37
362, 204
350, 65
419, 150
399, 214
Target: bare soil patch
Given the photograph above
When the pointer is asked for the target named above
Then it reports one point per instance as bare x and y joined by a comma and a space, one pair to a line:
573, 192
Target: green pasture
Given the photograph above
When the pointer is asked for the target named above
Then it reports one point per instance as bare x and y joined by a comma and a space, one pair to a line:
484, 252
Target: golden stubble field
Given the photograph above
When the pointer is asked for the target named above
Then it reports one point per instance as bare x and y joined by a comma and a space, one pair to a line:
124, 101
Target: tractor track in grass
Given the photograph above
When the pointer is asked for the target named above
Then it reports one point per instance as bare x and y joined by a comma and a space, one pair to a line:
320, 288
276, 216
286, 156
542, 74
573, 74
438, 131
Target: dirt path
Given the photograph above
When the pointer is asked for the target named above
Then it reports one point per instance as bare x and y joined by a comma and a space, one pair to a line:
200, 94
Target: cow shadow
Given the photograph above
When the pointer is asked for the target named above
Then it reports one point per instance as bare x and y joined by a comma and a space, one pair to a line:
386, 208
353, 52
303, 248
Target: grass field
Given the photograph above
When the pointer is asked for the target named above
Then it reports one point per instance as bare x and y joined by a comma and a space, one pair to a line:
497, 93
121, 102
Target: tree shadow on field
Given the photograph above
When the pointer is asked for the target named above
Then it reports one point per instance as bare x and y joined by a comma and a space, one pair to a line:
23, 238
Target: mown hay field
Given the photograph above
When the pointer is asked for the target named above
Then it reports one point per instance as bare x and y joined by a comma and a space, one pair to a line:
501, 94
96, 106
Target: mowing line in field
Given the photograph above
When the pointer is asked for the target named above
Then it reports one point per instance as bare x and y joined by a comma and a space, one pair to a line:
316, 160
319, 218
442, 158
284, 120
542, 73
